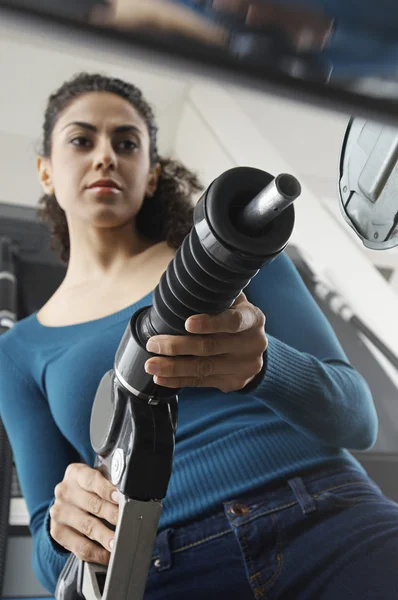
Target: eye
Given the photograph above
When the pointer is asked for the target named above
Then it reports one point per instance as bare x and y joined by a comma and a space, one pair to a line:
80, 140
128, 145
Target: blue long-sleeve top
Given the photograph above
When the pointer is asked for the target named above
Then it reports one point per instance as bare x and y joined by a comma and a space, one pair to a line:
308, 408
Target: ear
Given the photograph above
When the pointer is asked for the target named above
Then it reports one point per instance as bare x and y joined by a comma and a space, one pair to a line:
44, 171
153, 180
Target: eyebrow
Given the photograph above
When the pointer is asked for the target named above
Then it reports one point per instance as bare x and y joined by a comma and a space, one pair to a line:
118, 129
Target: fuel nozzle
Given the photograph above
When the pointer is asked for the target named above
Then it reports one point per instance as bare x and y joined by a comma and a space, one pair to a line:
243, 221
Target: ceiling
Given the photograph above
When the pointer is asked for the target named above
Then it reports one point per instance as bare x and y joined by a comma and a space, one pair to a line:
30, 71
307, 137
31, 67
310, 140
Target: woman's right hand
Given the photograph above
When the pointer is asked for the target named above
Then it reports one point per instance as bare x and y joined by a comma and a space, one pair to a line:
82, 499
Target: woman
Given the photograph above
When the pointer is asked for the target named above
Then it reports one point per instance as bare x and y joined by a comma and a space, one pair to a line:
264, 500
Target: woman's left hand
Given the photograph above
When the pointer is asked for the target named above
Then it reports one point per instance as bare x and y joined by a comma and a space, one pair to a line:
226, 352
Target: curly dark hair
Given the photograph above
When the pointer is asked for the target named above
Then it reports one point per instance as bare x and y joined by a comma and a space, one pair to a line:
165, 216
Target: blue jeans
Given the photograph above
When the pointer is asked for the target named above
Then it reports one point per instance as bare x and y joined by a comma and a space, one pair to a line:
326, 536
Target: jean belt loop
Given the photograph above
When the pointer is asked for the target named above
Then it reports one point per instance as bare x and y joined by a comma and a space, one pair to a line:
163, 547
305, 500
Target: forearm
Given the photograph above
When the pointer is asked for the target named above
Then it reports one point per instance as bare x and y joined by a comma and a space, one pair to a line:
41, 454
48, 557
326, 399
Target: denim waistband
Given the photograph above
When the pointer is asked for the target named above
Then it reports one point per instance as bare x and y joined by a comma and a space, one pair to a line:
302, 489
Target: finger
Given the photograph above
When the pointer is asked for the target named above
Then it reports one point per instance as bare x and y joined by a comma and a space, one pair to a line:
240, 317
84, 524
83, 548
197, 366
91, 480
207, 345
226, 383
239, 300
97, 506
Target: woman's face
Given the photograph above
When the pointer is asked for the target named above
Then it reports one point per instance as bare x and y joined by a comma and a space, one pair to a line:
99, 167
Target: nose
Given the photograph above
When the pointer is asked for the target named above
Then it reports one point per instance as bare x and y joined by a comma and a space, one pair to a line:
105, 157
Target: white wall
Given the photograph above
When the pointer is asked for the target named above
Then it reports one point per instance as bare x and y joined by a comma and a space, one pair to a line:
32, 67
216, 133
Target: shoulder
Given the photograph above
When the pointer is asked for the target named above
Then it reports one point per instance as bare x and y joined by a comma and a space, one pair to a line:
281, 265
21, 357
279, 274
12, 341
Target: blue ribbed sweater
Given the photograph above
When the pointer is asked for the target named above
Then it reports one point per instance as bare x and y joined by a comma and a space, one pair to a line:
308, 408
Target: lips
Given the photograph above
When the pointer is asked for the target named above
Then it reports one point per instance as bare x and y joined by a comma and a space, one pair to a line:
105, 183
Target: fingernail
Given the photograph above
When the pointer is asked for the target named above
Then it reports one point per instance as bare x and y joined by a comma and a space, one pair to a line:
194, 324
115, 497
152, 347
152, 368
111, 543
